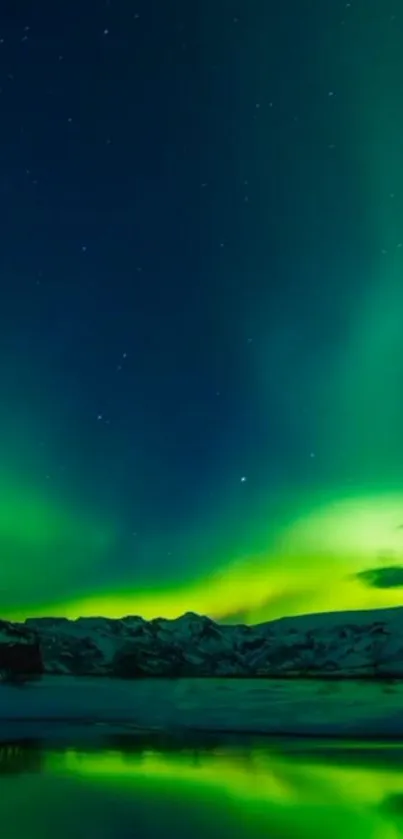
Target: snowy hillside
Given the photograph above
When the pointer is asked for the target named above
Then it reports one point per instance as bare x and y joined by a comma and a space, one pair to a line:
340, 644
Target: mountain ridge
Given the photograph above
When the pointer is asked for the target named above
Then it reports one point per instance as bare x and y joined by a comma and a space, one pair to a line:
352, 644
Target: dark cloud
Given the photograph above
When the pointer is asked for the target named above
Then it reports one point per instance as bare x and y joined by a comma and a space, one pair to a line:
390, 577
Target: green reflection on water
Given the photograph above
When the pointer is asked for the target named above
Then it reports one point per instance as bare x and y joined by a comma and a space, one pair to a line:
151, 792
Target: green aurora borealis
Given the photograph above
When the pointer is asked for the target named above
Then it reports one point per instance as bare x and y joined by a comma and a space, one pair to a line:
302, 543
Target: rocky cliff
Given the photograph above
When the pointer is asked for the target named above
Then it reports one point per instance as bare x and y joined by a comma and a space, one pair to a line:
20, 652
341, 644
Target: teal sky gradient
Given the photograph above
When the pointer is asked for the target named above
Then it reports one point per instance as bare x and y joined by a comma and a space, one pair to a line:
201, 358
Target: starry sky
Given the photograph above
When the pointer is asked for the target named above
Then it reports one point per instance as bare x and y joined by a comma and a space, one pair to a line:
201, 319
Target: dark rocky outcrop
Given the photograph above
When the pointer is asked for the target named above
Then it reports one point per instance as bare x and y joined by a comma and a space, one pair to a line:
367, 644
20, 652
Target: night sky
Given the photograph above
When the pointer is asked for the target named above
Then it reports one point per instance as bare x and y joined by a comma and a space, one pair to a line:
201, 312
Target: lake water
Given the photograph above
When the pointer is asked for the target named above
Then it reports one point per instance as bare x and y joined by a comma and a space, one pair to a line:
232, 790
346, 709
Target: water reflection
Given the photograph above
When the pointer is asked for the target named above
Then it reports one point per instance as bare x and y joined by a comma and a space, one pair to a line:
152, 791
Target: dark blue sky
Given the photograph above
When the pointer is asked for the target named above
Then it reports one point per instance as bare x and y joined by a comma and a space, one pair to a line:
184, 233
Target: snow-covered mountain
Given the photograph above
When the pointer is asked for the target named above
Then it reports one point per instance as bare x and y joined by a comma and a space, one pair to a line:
338, 644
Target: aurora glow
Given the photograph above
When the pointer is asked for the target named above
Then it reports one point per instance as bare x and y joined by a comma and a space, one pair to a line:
142, 374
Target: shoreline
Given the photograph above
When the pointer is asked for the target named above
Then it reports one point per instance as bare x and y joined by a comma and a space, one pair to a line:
96, 707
